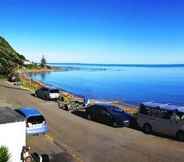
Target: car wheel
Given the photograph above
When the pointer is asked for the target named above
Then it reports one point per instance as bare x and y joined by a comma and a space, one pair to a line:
46, 98
36, 94
89, 117
114, 124
147, 128
180, 136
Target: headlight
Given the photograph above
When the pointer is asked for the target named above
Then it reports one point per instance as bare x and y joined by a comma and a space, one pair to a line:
126, 122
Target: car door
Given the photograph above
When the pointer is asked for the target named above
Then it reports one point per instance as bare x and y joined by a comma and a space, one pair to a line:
97, 113
105, 115
163, 123
173, 124
45, 93
41, 92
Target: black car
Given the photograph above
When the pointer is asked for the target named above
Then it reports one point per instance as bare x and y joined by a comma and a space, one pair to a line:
48, 93
108, 114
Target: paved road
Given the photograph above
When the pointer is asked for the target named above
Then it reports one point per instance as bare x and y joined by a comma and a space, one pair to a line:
93, 142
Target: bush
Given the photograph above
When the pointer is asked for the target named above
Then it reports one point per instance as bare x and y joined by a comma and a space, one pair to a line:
4, 154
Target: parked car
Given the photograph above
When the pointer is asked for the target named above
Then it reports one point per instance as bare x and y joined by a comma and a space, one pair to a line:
162, 118
48, 93
35, 121
40, 158
108, 114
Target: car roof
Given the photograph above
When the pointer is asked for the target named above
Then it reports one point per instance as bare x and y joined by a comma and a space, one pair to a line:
103, 105
49, 88
164, 106
29, 111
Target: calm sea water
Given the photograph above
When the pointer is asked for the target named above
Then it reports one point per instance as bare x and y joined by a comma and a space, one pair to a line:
132, 84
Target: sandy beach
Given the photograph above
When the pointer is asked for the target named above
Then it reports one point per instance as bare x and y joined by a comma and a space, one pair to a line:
77, 138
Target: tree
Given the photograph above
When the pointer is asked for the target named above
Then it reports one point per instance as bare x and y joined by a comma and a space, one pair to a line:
4, 154
43, 62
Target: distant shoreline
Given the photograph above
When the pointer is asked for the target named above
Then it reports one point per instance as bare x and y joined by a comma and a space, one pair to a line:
40, 70
121, 65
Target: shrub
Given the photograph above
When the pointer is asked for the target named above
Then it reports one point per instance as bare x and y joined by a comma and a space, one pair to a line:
4, 154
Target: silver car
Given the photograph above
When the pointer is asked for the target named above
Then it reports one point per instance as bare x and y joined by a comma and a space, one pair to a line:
162, 118
48, 93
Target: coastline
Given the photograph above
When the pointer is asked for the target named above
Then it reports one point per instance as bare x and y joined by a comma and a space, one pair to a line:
29, 84
40, 70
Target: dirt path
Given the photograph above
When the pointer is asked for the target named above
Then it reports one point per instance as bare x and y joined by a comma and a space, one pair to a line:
93, 142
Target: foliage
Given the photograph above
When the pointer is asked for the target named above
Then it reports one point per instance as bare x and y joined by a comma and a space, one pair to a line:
30, 84
10, 60
32, 66
2, 77
4, 154
43, 62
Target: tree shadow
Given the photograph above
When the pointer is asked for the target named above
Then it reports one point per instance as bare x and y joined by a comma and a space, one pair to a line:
62, 157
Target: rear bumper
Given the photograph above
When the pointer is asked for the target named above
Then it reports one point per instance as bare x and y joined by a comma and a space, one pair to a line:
34, 131
54, 96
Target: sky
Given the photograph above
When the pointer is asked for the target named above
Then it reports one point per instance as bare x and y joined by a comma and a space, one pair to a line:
96, 31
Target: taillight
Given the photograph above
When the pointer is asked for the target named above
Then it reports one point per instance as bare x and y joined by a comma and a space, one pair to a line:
28, 124
44, 122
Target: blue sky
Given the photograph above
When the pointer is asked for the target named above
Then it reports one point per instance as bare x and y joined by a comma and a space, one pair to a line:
96, 31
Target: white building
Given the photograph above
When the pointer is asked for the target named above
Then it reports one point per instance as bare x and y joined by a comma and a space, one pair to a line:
27, 62
12, 133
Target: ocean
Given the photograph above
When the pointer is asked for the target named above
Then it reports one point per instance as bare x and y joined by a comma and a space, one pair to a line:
132, 84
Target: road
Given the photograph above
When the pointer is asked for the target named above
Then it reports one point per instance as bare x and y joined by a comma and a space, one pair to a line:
88, 141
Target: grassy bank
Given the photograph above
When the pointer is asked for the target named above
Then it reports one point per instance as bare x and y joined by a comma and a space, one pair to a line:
29, 84
3, 77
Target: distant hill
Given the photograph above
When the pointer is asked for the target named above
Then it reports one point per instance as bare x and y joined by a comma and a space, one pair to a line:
9, 58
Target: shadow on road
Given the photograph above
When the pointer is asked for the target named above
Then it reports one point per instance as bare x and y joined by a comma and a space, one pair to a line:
82, 114
133, 125
62, 157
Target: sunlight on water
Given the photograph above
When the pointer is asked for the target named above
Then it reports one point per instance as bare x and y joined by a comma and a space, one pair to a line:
129, 84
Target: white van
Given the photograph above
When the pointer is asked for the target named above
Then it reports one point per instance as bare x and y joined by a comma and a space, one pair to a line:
162, 118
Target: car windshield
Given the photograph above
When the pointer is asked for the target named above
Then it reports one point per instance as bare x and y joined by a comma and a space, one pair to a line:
36, 119
54, 91
116, 109
180, 116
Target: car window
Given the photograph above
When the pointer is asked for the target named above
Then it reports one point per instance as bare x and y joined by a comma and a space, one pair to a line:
166, 114
91, 107
145, 110
44, 89
54, 91
35, 119
103, 109
180, 115
18, 111
116, 109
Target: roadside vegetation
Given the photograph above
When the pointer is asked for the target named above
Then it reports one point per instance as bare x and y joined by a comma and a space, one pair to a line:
4, 154
10, 60
30, 84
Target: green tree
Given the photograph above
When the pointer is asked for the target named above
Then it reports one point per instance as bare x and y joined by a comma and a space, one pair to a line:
4, 154
9, 58
43, 62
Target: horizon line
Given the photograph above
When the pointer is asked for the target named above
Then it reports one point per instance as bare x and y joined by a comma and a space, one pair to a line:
113, 64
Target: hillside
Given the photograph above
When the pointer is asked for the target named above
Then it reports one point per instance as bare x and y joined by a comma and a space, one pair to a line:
9, 58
